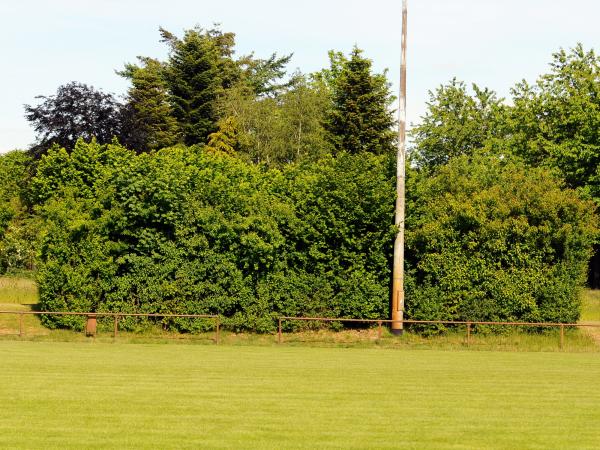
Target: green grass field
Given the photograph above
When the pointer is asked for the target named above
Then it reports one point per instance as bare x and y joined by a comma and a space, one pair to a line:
73, 395
59, 389
590, 310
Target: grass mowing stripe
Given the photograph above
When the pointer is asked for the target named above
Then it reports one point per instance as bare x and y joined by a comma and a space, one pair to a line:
161, 396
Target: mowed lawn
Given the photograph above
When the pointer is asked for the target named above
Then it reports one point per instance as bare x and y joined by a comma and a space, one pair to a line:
96, 395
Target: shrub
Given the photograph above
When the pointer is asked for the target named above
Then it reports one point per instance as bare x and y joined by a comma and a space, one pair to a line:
491, 240
186, 231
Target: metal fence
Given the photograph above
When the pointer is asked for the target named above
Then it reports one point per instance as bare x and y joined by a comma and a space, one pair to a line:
468, 324
91, 318
90, 328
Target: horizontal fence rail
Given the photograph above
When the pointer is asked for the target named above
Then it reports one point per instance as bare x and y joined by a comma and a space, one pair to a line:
217, 320
468, 324
116, 317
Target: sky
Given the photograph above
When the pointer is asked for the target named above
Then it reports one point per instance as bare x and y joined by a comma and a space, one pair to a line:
494, 43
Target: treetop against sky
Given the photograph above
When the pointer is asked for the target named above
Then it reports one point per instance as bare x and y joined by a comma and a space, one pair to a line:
494, 43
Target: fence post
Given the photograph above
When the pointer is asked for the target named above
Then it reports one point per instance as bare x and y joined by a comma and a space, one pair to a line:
562, 336
116, 326
279, 337
20, 324
218, 329
379, 330
468, 333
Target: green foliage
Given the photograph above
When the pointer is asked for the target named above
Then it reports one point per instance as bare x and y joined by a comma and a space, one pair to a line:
553, 123
199, 68
11, 174
491, 240
256, 218
556, 122
178, 99
263, 75
276, 130
18, 228
194, 230
344, 232
455, 124
360, 118
184, 230
303, 113
225, 139
151, 114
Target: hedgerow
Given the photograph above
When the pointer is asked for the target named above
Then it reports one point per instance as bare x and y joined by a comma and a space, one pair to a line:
185, 230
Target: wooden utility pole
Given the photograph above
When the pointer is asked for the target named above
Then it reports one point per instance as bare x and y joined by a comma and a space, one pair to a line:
398, 271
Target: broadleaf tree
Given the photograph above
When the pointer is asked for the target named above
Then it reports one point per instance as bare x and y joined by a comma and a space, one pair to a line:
76, 111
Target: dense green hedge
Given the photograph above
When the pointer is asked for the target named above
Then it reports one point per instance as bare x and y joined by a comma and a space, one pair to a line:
491, 240
183, 230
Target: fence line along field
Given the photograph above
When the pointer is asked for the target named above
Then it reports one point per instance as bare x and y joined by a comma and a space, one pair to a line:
62, 390
72, 395
19, 296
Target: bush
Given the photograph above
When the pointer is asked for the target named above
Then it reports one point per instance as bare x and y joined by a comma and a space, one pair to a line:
191, 232
490, 240
18, 228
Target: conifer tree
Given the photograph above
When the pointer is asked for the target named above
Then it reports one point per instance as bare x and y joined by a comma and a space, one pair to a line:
150, 120
199, 68
360, 118
225, 138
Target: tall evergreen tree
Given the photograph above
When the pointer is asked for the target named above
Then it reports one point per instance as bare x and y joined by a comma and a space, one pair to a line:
150, 117
178, 100
264, 76
360, 118
199, 68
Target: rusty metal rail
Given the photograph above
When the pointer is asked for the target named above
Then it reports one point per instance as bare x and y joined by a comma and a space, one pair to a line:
92, 316
217, 327
468, 324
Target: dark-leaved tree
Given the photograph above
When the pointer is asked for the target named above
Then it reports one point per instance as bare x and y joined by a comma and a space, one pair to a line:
75, 111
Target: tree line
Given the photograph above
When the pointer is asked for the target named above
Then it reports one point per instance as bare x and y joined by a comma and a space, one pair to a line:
225, 185
204, 94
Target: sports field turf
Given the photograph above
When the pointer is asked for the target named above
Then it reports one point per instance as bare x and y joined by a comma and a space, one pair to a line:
99, 395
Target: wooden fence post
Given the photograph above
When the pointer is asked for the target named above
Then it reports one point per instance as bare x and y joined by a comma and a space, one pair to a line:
279, 336
562, 336
468, 333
